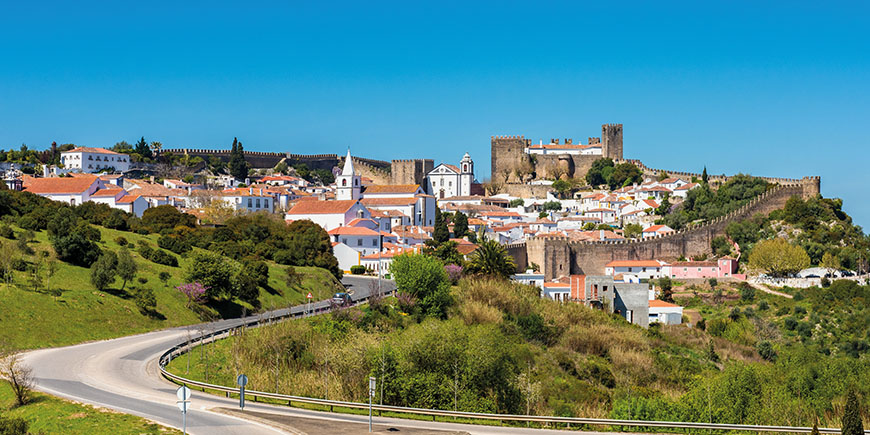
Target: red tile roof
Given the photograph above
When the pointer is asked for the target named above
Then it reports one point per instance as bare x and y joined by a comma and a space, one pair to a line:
61, 185
655, 303
91, 150
391, 188
314, 206
352, 231
633, 263
126, 199
658, 228
374, 202
111, 191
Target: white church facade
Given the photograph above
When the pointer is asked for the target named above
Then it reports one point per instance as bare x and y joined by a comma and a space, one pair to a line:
447, 181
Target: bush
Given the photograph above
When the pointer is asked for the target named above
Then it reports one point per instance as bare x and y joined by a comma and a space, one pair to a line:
424, 278
13, 426
765, 350
6, 232
747, 293
103, 270
164, 276
763, 306
173, 243
142, 280
214, 271
357, 270
145, 300
19, 264
121, 241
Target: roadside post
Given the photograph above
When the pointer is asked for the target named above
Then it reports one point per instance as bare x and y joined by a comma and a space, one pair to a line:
371, 395
183, 394
242, 380
309, 296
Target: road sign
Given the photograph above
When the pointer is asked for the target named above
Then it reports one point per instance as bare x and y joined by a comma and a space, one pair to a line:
372, 387
310, 295
183, 393
371, 395
242, 380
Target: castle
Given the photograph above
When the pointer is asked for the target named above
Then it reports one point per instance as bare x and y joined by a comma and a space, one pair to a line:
516, 160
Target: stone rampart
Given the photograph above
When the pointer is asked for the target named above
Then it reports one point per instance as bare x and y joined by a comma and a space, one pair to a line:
558, 257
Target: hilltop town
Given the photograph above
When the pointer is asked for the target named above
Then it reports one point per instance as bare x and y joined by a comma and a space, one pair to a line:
574, 217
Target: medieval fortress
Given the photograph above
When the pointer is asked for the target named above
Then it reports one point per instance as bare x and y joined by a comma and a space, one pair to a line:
525, 169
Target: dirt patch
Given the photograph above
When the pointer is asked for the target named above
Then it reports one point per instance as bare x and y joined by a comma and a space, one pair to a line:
76, 416
317, 426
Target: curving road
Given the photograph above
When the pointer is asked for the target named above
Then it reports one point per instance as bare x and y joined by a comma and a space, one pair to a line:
122, 374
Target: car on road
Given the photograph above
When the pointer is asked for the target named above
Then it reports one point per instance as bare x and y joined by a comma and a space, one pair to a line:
342, 299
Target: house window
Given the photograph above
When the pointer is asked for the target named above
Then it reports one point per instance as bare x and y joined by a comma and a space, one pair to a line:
359, 242
629, 269
374, 242
644, 270
344, 241
258, 202
250, 202
344, 182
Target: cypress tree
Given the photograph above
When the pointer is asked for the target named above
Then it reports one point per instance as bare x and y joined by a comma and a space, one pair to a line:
441, 233
704, 175
237, 164
852, 424
460, 224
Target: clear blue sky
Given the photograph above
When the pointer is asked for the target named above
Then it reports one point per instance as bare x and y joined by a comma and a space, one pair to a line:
778, 89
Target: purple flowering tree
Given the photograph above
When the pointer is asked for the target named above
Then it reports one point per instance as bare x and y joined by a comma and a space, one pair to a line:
454, 272
194, 291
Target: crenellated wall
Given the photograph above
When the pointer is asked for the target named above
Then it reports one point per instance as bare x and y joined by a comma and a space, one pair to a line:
558, 256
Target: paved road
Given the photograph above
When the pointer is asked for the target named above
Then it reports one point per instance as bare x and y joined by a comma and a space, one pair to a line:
123, 374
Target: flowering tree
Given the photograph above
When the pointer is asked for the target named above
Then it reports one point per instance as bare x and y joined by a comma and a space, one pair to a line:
454, 272
194, 291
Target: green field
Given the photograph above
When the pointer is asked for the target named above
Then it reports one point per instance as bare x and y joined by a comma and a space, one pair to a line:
50, 415
32, 319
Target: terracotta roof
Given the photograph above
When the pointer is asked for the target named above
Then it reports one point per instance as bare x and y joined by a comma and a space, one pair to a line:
476, 221
126, 199
634, 263
656, 303
658, 228
91, 150
557, 285
687, 186
654, 189
353, 231
388, 201
392, 188
650, 203
111, 191
314, 206
243, 191
502, 214
599, 209
60, 185
145, 188
358, 221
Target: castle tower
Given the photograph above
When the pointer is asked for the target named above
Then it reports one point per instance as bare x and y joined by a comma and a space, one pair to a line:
611, 140
508, 153
466, 175
347, 184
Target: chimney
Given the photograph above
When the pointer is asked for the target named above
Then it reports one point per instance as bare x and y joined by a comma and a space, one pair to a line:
250, 190
152, 178
601, 234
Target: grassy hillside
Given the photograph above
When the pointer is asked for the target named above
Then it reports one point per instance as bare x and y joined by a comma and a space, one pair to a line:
50, 415
34, 319
503, 349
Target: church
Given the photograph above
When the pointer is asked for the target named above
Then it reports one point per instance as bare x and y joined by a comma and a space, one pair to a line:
447, 181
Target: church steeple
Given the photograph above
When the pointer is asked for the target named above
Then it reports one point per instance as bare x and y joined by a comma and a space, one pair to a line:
347, 185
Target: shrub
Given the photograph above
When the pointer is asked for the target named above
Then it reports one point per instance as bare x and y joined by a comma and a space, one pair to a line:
357, 270
173, 243
763, 306
142, 280
160, 256
145, 300
6, 232
215, 272
121, 241
765, 350
799, 310
103, 270
19, 264
164, 276
747, 293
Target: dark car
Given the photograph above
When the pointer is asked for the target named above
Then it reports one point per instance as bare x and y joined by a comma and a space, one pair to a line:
342, 299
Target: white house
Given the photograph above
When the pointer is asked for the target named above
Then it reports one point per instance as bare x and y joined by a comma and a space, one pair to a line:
248, 199
361, 239
683, 190
346, 256
604, 215
447, 181
557, 291
328, 214
656, 230
85, 159
642, 269
665, 312
530, 278
71, 190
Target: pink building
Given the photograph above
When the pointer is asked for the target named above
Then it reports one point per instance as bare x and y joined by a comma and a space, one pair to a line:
723, 268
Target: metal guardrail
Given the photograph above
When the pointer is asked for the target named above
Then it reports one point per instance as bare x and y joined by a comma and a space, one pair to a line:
183, 347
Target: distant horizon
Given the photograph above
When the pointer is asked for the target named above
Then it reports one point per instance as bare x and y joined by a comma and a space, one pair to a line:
774, 89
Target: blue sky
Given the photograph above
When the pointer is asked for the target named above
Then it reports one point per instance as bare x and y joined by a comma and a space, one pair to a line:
778, 89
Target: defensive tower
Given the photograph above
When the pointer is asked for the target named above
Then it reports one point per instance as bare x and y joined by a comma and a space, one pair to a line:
611, 141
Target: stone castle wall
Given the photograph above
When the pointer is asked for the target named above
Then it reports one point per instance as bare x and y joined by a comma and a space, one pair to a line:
558, 257
411, 171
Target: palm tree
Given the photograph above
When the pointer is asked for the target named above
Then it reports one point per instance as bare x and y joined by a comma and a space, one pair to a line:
491, 258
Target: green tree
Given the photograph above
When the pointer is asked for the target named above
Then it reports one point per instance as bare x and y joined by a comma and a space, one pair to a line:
720, 246
237, 164
778, 258
166, 217
247, 284
665, 206
76, 248
663, 175
460, 224
103, 270
446, 252
307, 244
625, 174
126, 267
552, 206
632, 231
562, 187
599, 172
143, 149
518, 202
704, 176
852, 424
441, 233
829, 261
491, 258
145, 301
214, 271
424, 278
666, 286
